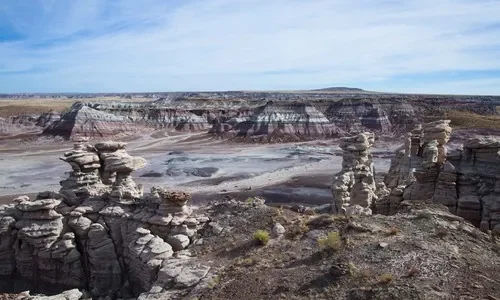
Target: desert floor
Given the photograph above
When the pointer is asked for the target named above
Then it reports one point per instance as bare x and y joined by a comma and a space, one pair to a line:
293, 172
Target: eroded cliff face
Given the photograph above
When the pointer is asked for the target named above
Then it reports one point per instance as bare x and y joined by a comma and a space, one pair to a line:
157, 115
360, 114
100, 233
295, 119
287, 117
24, 123
464, 179
477, 168
83, 120
108, 120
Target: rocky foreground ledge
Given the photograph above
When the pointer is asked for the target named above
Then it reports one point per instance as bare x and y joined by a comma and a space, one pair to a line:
421, 252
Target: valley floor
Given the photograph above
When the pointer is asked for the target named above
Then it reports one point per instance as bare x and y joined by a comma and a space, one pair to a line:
197, 163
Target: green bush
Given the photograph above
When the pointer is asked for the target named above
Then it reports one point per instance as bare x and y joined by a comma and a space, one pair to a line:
332, 241
262, 236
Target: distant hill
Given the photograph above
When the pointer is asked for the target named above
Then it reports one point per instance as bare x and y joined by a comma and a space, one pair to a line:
340, 89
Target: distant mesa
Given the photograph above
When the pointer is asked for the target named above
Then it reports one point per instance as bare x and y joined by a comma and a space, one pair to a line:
340, 89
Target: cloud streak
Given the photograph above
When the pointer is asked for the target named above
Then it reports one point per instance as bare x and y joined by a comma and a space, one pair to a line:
154, 45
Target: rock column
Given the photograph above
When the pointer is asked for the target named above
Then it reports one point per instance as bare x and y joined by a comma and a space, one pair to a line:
433, 155
84, 179
118, 163
355, 184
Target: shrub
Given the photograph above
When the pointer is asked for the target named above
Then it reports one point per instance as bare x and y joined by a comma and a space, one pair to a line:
386, 278
262, 236
332, 241
356, 272
299, 228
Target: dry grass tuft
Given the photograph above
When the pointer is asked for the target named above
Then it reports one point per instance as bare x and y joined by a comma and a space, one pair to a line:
246, 262
332, 241
356, 272
386, 278
213, 282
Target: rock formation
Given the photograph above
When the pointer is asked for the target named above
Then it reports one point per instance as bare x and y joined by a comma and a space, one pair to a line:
83, 120
44, 252
48, 118
84, 180
297, 118
109, 119
355, 184
433, 155
101, 233
478, 194
376, 115
259, 116
465, 180
117, 167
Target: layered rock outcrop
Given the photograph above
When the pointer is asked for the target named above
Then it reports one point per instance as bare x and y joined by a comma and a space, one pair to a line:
110, 119
477, 167
116, 170
83, 120
433, 155
48, 118
296, 119
44, 252
100, 233
416, 170
255, 116
18, 124
355, 185
85, 178
465, 180
383, 116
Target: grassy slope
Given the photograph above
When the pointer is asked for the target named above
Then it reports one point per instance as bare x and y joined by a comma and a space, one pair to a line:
35, 106
463, 119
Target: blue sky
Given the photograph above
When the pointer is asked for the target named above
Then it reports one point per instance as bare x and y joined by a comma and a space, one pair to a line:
424, 46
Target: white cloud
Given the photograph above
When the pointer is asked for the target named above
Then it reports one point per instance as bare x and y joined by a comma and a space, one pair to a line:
250, 44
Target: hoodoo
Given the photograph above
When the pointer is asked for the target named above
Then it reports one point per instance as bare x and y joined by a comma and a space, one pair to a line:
355, 185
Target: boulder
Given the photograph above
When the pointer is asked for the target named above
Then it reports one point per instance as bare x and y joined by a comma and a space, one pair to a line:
178, 241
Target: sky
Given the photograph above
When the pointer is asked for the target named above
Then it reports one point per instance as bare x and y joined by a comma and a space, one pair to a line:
409, 46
